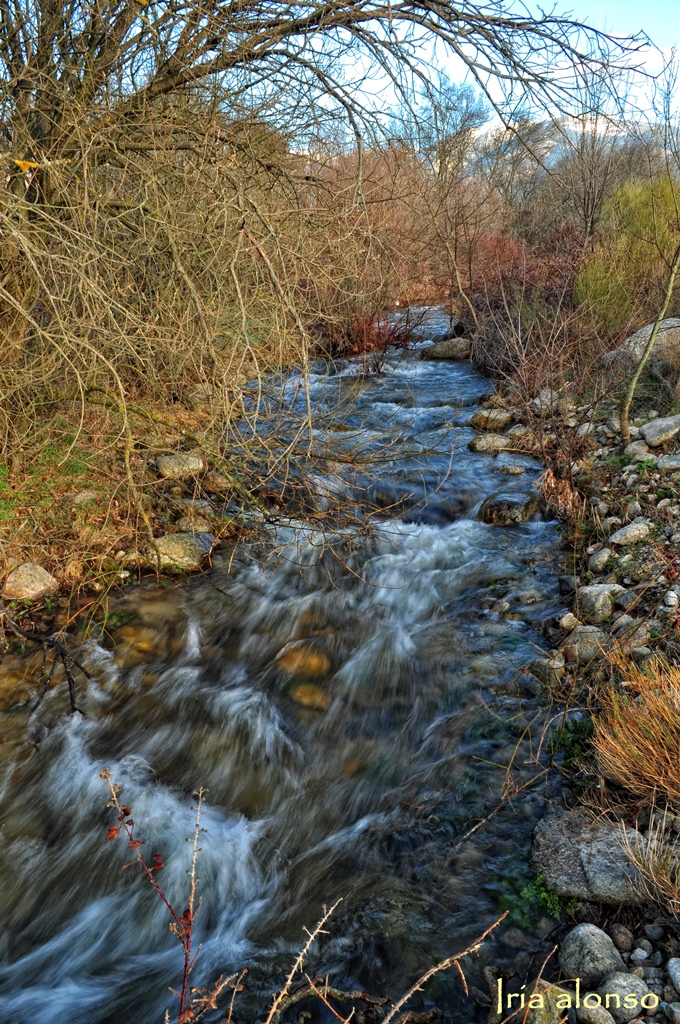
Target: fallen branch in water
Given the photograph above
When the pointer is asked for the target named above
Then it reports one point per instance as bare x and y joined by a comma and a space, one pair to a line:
48, 643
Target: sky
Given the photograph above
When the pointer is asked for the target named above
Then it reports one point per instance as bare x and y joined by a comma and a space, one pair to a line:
660, 19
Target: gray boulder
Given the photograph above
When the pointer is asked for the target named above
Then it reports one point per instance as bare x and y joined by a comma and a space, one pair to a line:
594, 602
586, 859
182, 552
451, 348
666, 343
507, 509
589, 954
491, 419
660, 430
630, 534
179, 467
489, 443
29, 582
613, 991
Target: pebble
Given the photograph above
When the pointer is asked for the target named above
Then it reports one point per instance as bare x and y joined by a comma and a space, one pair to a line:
622, 937
638, 956
671, 600
569, 622
672, 1011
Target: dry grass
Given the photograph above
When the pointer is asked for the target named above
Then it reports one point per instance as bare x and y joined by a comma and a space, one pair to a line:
637, 732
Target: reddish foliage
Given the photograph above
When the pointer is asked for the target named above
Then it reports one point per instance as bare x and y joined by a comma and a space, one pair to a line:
370, 334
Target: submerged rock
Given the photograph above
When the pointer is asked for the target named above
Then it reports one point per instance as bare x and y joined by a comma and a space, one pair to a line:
589, 954
507, 509
311, 696
585, 859
29, 582
304, 661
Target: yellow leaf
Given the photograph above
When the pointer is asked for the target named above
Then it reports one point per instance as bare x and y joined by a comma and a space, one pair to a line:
25, 165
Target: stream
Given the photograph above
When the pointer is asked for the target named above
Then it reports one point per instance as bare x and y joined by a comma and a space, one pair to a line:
350, 697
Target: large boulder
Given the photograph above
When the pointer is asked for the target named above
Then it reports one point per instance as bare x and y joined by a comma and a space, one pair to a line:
586, 859
29, 582
594, 603
451, 348
666, 344
508, 509
660, 430
589, 954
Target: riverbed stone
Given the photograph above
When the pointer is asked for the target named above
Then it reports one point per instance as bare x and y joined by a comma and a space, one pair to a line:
193, 524
450, 348
660, 430
588, 953
545, 402
593, 1014
673, 968
553, 1005
669, 463
490, 443
305, 661
182, 552
29, 582
636, 450
631, 534
216, 483
549, 671
583, 644
585, 858
597, 563
310, 696
594, 602
491, 419
179, 467
508, 509
622, 937
621, 983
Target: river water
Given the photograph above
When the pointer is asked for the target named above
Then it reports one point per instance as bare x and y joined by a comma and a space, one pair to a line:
350, 697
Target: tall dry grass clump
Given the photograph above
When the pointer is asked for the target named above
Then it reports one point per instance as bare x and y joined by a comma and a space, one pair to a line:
637, 733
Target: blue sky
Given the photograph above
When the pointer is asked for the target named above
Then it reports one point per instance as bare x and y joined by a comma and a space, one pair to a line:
660, 19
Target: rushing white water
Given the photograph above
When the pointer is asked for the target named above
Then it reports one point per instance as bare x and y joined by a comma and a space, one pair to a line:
354, 778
